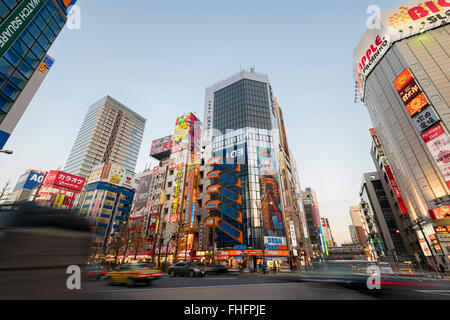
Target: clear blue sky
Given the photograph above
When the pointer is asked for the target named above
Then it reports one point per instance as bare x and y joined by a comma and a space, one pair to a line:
157, 57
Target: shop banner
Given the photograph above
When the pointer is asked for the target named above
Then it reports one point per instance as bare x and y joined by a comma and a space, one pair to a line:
438, 142
425, 119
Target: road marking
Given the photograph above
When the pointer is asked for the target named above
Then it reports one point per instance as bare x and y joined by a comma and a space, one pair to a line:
443, 292
215, 286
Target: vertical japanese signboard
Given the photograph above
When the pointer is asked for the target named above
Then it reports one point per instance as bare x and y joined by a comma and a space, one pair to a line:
410, 93
438, 142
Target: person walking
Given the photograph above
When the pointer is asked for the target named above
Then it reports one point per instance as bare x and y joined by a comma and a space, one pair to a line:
442, 269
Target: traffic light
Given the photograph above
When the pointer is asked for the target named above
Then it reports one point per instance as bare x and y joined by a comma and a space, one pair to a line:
397, 231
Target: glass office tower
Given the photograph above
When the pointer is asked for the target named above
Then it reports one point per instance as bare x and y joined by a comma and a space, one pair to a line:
111, 132
241, 138
27, 30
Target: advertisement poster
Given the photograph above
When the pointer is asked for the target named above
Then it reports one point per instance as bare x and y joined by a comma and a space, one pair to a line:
425, 119
440, 213
438, 142
177, 195
161, 145
65, 180
270, 196
410, 93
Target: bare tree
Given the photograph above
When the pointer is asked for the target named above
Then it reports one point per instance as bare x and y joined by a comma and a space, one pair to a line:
4, 191
138, 239
118, 242
176, 240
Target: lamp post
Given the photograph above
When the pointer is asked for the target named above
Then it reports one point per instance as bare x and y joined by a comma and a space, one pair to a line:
258, 207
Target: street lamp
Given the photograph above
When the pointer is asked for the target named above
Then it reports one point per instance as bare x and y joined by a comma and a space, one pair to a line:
6, 151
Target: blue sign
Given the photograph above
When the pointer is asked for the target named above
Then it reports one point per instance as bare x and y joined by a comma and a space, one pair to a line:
65, 4
29, 181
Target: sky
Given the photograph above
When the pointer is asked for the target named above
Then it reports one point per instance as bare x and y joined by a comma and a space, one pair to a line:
157, 58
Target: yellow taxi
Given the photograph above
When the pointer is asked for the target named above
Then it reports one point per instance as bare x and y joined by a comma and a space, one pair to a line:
133, 273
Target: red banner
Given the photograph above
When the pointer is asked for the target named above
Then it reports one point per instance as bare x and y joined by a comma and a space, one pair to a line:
397, 193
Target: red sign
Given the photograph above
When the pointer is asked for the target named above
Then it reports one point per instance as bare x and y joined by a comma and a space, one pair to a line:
410, 93
438, 142
63, 179
442, 229
440, 213
397, 193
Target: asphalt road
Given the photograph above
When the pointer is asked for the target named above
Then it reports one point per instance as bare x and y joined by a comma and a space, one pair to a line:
269, 287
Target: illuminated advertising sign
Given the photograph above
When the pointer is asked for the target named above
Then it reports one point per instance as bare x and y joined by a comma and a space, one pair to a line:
177, 195
405, 20
435, 242
438, 142
163, 145
63, 179
389, 173
397, 193
410, 93
187, 131
29, 181
143, 192
440, 213
113, 174
425, 119
442, 229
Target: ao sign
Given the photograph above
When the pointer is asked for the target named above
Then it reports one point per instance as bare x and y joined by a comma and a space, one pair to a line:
34, 180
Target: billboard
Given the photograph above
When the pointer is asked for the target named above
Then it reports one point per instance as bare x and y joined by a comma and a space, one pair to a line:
29, 181
177, 194
410, 93
270, 195
162, 146
143, 192
66, 180
404, 20
425, 119
187, 131
113, 174
440, 213
438, 142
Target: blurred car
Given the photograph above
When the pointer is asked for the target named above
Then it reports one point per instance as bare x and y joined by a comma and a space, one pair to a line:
386, 268
221, 269
133, 273
95, 271
186, 269
406, 269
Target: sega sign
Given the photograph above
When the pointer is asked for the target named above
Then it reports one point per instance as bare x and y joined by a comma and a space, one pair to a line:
65, 4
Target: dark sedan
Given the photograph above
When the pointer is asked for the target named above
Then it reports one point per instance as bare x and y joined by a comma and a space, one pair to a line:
221, 269
186, 269
95, 271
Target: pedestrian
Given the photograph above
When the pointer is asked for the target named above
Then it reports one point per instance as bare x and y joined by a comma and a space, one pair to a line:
263, 268
442, 268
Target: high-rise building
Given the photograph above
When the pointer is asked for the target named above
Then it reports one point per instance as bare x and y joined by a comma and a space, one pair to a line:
313, 221
327, 233
28, 29
355, 214
354, 235
384, 234
402, 75
392, 205
252, 206
107, 201
178, 196
110, 132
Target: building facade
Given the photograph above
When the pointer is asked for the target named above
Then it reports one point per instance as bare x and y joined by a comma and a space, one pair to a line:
28, 30
254, 205
59, 190
313, 222
111, 132
401, 71
26, 185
